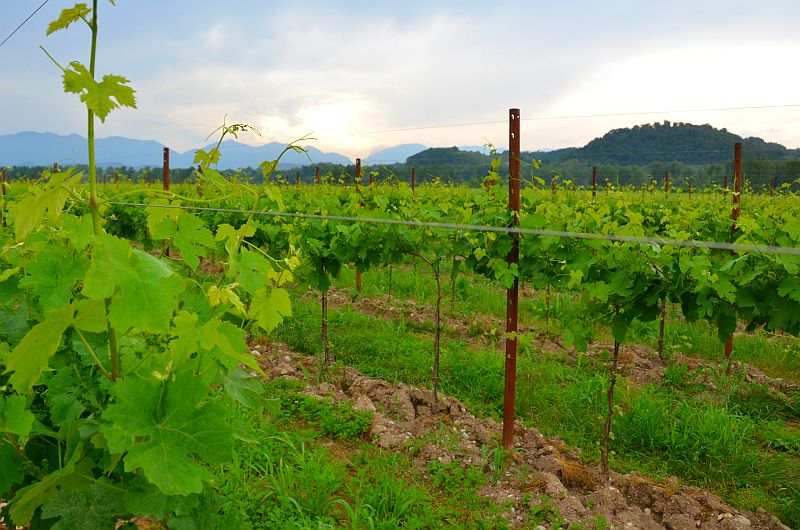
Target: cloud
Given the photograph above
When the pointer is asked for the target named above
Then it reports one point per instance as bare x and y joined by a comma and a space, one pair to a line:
342, 69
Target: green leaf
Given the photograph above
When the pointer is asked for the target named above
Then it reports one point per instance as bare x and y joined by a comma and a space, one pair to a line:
63, 397
30, 211
790, 287
575, 278
14, 416
30, 357
187, 231
53, 275
143, 290
243, 388
165, 427
9, 467
252, 271
620, 324
192, 238
221, 340
234, 236
100, 98
68, 16
74, 475
96, 507
269, 310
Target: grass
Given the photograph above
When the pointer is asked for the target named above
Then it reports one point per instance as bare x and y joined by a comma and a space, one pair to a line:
716, 441
775, 355
294, 474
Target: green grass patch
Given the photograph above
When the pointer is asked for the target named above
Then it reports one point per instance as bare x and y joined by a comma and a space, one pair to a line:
715, 441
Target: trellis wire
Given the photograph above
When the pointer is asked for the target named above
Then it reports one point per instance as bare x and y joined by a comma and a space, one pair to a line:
644, 240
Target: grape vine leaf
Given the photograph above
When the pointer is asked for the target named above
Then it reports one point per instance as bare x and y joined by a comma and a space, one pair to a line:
103, 97
224, 341
252, 271
143, 290
30, 357
9, 467
52, 275
63, 397
68, 16
30, 211
233, 236
243, 388
187, 231
269, 310
74, 475
96, 507
14, 418
164, 427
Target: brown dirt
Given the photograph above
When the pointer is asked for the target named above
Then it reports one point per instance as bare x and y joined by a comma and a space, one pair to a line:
408, 419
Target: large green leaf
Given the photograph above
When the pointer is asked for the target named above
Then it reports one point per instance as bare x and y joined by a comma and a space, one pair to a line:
52, 276
99, 506
143, 290
167, 428
30, 357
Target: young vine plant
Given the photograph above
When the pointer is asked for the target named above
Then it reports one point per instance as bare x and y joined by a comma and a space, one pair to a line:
119, 369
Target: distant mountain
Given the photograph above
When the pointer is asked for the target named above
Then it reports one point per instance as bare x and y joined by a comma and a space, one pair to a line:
394, 155
482, 149
236, 155
42, 149
447, 155
669, 142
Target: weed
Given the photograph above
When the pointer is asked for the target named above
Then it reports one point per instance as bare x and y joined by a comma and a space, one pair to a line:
454, 479
337, 420
544, 512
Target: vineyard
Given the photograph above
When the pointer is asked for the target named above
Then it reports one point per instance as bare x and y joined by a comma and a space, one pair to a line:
354, 354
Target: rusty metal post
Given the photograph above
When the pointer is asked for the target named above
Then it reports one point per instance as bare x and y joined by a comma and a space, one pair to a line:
512, 294
666, 185
297, 179
316, 176
358, 181
737, 208
55, 168
725, 186
2, 212
772, 186
116, 177
166, 169
594, 181
413, 179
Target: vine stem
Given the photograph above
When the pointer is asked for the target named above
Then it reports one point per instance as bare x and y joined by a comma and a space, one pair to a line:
93, 204
607, 426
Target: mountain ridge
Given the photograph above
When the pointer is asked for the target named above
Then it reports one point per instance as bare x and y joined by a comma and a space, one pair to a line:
29, 148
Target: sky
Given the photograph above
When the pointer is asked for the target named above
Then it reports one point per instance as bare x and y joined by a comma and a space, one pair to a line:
351, 73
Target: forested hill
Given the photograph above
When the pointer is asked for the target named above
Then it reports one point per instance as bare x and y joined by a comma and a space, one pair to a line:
668, 142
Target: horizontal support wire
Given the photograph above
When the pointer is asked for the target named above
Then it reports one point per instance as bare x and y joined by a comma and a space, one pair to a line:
715, 245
